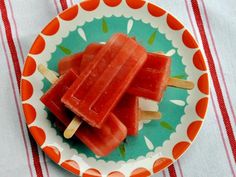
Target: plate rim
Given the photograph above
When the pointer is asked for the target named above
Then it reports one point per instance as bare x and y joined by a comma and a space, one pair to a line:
49, 30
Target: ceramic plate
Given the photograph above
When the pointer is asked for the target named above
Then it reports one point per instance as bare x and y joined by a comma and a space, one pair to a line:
159, 142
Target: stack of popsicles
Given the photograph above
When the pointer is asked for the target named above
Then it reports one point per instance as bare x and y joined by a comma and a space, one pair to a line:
97, 92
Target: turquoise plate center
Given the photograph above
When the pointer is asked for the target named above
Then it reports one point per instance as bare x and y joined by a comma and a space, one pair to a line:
100, 30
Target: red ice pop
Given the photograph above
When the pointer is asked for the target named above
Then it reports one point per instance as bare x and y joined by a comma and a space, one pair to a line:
152, 80
101, 141
79, 63
127, 110
100, 85
68, 62
88, 54
52, 98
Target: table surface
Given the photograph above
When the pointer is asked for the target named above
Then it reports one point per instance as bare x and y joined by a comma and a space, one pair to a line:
214, 24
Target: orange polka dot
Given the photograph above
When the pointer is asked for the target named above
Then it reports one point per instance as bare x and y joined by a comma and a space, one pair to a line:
38, 135
140, 172
112, 3
71, 166
30, 66
30, 113
193, 129
92, 173
198, 61
161, 163
189, 40
179, 149
201, 107
38, 46
116, 174
70, 13
90, 5
173, 23
52, 27
155, 10
203, 84
53, 153
27, 89
135, 4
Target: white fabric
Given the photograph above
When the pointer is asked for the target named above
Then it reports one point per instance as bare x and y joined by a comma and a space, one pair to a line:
207, 156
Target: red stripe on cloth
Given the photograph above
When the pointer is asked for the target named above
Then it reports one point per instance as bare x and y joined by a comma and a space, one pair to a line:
21, 52
36, 159
64, 5
214, 76
10, 41
172, 171
223, 140
213, 102
17, 69
71, 3
16, 103
17, 34
46, 166
180, 169
57, 8
163, 173
218, 59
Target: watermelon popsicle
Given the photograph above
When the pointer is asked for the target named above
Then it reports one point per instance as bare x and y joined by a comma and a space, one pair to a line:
127, 110
154, 77
100, 141
79, 60
152, 80
129, 113
90, 51
85, 58
100, 85
52, 98
72, 61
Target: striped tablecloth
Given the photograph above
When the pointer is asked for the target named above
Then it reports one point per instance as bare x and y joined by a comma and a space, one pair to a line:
213, 154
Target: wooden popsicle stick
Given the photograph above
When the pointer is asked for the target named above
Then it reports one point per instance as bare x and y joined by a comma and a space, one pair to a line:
76, 122
180, 83
48, 74
72, 127
149, 115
